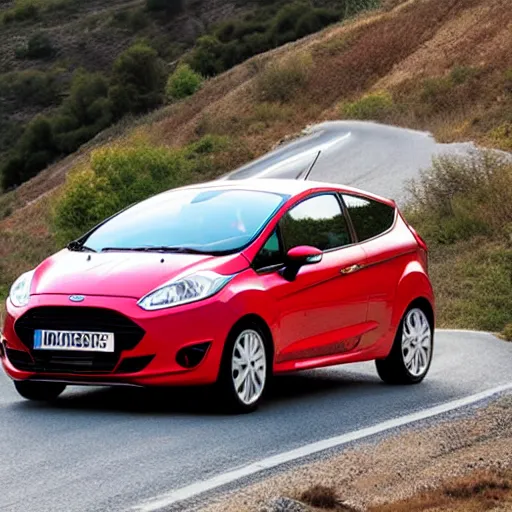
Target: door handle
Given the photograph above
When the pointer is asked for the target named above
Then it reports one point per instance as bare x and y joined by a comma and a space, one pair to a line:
351, 269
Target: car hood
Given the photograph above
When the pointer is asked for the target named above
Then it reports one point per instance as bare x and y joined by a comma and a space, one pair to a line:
122, 274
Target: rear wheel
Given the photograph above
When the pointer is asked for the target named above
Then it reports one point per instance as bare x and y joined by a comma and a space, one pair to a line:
411, 355
245, 369
39, 391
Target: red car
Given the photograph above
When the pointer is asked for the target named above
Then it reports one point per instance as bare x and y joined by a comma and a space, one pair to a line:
226, 283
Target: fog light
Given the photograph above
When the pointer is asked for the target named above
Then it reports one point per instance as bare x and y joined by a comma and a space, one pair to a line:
190, 357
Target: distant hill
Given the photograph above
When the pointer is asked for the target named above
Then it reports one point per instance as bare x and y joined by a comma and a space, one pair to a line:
44, 42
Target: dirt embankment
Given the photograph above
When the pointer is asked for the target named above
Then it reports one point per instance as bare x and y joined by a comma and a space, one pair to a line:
463, 463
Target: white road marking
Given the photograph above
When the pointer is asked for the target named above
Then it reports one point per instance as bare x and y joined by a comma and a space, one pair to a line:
172, 497
297, 158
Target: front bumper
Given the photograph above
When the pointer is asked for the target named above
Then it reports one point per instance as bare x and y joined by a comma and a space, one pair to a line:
165, 333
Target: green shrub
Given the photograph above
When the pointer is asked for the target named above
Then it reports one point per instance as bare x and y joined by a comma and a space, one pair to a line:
314, 21
117, 177
435, 93
461, 197
283, 29
208, 144
375, 107
85, 112
34, 151
39, 46
32, 87
207, 56
282, 80
182, 83
461, 74
137, 80
21, 12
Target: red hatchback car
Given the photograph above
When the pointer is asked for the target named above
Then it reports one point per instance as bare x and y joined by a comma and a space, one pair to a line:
226, 283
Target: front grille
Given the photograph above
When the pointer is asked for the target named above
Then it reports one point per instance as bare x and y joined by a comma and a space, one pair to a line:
127, 335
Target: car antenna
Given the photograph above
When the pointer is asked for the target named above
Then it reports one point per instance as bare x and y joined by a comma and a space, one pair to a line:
308, 172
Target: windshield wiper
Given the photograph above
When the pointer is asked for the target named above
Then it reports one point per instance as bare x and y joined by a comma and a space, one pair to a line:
79, 247
151, 248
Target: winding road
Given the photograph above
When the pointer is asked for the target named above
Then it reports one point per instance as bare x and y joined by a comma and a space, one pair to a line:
122, 449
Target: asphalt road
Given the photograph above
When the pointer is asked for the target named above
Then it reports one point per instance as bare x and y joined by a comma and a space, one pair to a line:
377, 158
106, 449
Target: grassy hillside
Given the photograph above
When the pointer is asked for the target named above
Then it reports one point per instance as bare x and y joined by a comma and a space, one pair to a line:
440, 65
71, 68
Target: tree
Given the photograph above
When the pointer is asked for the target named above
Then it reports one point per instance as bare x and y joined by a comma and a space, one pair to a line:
137, 80
207, 56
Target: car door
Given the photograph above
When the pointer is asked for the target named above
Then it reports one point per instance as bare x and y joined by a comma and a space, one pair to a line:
385, 259
323, 310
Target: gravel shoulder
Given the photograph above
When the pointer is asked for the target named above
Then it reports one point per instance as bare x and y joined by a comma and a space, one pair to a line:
421, 465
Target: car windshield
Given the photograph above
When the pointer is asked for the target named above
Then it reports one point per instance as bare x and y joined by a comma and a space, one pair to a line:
195, 220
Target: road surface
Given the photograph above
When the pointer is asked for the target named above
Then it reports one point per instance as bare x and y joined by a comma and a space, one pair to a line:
377, 158
112, 449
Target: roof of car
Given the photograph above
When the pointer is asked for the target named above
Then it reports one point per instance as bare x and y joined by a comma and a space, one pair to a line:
283, 186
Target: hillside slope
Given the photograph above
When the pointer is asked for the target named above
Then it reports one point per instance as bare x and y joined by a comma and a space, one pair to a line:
439, 65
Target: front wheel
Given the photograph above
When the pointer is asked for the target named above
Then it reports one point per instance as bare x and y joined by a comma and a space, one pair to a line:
411, 355
245, 369
39, 391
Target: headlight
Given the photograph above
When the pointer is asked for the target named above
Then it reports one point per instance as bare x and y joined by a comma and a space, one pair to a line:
20, 290
184, 290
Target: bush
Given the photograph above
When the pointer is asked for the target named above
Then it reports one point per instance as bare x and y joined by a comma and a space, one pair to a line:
39, 46
30, 87
207, 56
85, 112
372, 107
461, 197
117, 177
281, 80
34, 151
22, 12
314, 21
182, 83
137, 80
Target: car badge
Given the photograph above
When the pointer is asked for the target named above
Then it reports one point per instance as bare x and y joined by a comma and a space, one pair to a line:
76, 298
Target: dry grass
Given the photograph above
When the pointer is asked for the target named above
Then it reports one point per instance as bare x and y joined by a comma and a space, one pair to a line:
477, 492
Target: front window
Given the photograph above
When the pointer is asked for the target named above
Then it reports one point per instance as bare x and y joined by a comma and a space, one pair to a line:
203, 220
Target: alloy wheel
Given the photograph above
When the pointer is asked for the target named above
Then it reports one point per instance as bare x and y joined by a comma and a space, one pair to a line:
416, 342
249, 366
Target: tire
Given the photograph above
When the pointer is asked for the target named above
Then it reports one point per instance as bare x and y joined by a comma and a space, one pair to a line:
244, 395
39, 391
411, 355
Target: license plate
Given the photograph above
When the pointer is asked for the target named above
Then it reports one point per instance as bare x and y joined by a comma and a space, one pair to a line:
78, 341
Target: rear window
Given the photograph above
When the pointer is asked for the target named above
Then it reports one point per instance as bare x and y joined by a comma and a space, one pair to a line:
370, 218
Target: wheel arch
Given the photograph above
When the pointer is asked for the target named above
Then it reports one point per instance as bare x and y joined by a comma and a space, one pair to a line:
258, 320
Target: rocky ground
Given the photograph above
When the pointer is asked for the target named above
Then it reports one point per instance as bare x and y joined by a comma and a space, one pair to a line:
460, 463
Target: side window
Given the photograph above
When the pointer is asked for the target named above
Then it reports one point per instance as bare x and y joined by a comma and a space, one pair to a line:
370, 218
318, 222
270, 254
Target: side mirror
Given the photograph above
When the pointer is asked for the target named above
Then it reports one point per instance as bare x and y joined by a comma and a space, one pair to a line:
298, 257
